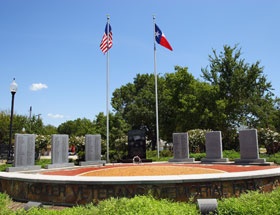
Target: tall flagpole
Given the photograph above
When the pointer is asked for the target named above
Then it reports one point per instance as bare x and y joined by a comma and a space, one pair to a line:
107, 90
156, 90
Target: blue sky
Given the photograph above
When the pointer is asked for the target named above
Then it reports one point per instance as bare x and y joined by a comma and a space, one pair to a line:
52, 49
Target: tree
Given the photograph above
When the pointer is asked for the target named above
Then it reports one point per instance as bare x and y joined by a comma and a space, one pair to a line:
117, 136
181, 102
33, 124
276, 121
136, 104
78, 127
20, 124
4, 127
186, 103
50, 129
243, 96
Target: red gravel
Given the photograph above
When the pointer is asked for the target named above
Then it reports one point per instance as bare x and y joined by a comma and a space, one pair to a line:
226, 168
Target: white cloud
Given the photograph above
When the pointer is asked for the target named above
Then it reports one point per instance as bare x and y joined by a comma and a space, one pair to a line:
55, 116
38, 86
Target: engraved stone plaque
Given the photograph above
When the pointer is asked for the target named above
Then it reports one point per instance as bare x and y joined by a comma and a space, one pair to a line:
93, 147
92, 150
24, 153
213, 145
60, 150
249, 147
24, 150
181, 148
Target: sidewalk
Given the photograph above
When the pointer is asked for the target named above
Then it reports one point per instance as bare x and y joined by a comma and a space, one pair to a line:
14, 206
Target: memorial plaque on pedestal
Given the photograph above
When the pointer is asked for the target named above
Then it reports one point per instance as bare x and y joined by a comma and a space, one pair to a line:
181, 148
92, 150
249, 148
24, 153
60, 151
213, 145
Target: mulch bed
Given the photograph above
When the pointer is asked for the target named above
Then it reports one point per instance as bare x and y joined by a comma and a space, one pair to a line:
87, 170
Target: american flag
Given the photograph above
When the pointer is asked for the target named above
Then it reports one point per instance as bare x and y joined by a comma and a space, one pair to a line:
107, 40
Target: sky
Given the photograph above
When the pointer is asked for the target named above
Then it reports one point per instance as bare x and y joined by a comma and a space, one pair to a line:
51, 47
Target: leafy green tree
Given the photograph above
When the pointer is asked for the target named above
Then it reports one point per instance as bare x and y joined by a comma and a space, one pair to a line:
186, 103
50, 129
4, 127
18, 125
78, 127
244, 96
276, 121
33, 125
118, 134
136, 103
22, 124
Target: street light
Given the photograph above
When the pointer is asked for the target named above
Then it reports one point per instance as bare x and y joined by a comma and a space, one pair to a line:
13, 89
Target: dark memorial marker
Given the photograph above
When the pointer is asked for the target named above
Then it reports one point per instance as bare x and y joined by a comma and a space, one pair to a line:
136, 144
136, 147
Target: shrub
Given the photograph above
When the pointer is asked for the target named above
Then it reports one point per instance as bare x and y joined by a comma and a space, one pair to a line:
272, 158
253, 203
151, 153
4, 202
231, 154
198, 156
166, 153
144, 205
197, 140
41, 143
269, 139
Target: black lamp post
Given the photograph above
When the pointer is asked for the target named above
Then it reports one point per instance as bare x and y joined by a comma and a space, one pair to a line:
13, 89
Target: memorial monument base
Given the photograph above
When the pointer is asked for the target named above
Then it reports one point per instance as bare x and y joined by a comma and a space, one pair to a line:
184, 160
214, 160
88, 163
22, 168
257, 161
143, 160
52, 166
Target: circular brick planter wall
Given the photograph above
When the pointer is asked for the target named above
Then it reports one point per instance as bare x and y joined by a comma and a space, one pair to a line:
72, 190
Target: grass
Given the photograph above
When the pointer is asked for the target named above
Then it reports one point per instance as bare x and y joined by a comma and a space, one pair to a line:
230, 154
43, 162
253, 203
272, 158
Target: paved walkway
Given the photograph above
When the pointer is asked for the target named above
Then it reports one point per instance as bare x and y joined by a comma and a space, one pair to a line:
20, 205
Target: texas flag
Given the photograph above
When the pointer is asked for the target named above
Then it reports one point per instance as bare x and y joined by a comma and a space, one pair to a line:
161, 39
